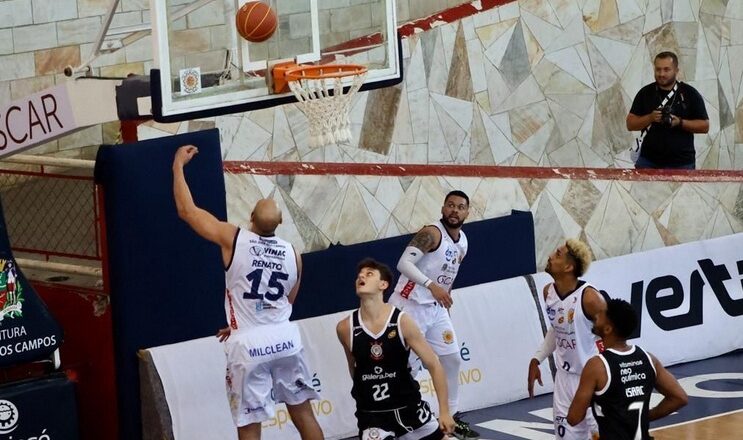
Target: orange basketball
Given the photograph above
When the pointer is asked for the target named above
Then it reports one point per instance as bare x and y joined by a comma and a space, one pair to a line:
256, 21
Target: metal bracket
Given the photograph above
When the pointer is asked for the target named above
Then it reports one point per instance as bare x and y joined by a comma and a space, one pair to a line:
130, 35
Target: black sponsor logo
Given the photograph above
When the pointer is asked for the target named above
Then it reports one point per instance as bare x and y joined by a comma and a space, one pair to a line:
666, 293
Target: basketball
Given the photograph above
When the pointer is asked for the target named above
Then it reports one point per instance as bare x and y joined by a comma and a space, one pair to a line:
256, 21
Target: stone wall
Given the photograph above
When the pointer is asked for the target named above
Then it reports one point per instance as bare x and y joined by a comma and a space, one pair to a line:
616, 217
531, 82
534, 83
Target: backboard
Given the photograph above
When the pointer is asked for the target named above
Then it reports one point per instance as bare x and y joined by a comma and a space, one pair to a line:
202, 67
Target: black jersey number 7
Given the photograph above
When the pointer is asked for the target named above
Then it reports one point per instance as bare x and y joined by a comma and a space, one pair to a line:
275, 286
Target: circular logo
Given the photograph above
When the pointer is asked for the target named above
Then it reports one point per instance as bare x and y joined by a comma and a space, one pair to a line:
450, 254
376, 351
8, 416
448, 337
190, 80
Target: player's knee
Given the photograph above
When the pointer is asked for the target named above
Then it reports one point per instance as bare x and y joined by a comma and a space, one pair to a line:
300, 410
301, 414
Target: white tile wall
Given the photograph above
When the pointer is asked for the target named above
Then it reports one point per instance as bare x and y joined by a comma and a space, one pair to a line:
82, 30
17, 66
6, 41
34, 37
15, 13
46, 11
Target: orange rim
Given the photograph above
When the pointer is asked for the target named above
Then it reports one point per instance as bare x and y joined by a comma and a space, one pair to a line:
324, 72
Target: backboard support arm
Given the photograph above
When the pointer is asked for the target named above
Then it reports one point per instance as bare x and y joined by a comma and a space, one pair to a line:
132, 34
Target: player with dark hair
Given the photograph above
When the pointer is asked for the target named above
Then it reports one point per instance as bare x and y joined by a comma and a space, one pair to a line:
428, 268
620, 381
377, 339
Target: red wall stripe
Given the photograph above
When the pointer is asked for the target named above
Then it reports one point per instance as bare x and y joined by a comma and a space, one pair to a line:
370, 169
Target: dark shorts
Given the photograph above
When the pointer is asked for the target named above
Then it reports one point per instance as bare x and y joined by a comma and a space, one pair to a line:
407, 421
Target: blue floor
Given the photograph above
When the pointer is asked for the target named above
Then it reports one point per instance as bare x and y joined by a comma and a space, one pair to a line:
521, 420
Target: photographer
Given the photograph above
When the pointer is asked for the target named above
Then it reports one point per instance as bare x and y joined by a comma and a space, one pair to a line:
668, 112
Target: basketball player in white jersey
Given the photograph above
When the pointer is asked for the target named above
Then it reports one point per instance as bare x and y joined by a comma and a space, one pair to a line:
377, 339
571, 304
264, 349
428, 268
619, 382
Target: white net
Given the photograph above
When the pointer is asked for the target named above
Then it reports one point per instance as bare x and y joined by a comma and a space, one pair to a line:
326, 106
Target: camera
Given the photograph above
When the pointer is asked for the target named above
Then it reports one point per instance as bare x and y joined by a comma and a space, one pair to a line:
666, 119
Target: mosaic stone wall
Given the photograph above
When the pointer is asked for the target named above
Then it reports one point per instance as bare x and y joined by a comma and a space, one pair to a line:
532, 82
614, 217
543, 83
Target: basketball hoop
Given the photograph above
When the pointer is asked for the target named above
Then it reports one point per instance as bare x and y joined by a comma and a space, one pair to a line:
319, 90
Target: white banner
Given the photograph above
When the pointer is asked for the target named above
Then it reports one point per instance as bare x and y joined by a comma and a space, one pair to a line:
499, 327
691, 296
34, 119
57, 111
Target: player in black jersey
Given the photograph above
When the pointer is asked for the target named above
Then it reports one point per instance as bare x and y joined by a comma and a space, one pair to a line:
620, 380
377, 339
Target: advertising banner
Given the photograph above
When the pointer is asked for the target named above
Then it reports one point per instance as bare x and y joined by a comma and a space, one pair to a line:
690, 296
27, 331
34, 119
43, 409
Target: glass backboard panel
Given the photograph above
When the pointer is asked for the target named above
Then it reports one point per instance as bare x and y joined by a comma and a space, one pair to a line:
202, 66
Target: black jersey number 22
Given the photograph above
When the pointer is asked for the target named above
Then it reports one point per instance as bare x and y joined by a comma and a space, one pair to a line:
275, 286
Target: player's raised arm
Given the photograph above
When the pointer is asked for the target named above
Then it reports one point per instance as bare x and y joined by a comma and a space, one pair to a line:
200, 220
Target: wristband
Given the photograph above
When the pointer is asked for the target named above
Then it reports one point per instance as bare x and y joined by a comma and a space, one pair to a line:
427, 283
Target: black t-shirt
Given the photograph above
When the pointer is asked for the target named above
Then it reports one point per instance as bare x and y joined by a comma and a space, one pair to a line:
622, 407
665, 145
382, 379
